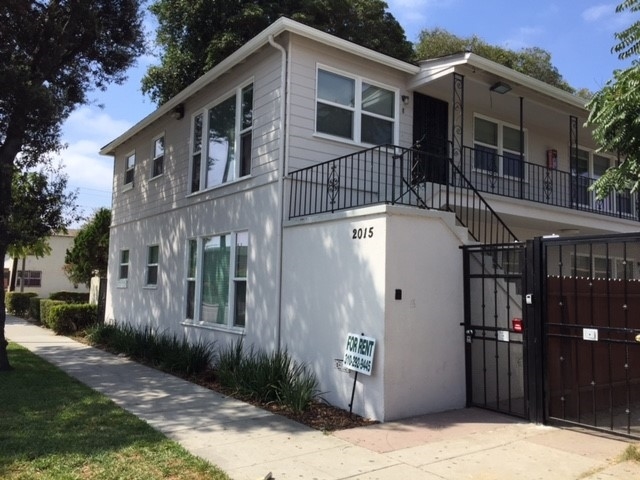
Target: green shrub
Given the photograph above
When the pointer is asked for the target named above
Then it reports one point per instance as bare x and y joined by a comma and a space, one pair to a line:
71, 317
267, 378
34, 308
45, 309
17, 303
166, 352
70, 297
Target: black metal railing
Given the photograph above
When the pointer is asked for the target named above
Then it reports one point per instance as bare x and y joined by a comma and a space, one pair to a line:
509, 176
389, 174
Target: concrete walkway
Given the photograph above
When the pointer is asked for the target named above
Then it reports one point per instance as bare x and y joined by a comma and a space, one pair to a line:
248, 443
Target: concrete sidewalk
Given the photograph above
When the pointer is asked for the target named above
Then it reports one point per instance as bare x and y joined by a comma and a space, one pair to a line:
248, 442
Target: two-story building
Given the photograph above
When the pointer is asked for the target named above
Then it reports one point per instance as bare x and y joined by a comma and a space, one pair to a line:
307, 188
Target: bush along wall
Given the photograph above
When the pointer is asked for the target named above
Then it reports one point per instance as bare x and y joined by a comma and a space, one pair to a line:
70, 317
17, 303
70, 297
34, 308
45, 310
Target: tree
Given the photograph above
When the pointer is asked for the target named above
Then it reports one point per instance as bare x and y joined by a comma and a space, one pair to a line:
195, 36
90, 249
532, 61
614, 113
52, 53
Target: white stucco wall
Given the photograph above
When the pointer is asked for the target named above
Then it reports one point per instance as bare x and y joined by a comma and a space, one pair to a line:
424, 341
334, 284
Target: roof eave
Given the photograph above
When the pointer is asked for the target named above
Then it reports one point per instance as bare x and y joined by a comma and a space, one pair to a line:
280, 26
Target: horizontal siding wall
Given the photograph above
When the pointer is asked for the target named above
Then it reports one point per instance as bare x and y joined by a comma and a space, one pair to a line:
305, 149
153, 197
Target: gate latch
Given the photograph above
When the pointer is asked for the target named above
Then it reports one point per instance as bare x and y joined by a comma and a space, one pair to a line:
469, 334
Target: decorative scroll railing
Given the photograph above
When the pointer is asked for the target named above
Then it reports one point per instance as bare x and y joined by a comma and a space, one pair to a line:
509, 176
394, 175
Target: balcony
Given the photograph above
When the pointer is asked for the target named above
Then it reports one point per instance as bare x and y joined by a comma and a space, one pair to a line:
508, 176
395, 175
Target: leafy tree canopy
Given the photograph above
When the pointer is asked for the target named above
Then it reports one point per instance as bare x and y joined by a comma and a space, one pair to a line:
40, 206
532, 61
195, 36
90, 249
51, 54
615, 113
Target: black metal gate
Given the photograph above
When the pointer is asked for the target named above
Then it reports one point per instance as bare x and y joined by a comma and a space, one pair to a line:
495, 328
591, 312
552, 330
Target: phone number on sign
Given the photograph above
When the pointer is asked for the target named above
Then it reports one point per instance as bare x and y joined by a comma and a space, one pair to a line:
357, 363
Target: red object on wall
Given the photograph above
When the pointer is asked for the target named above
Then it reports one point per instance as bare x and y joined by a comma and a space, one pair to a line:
516, 323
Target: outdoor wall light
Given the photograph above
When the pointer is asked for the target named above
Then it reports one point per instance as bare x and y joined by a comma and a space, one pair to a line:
178, 111
500, 87
405, 99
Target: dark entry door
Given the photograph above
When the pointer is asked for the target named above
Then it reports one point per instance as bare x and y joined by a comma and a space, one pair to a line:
495, 328
592, 328
430, 126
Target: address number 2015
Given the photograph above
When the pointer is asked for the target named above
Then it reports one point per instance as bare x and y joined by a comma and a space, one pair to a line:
362, 233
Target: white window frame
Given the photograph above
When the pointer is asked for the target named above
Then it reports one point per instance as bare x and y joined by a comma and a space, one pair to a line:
151, 265
128, 184
613, 201
157, 159
615, 265
198, 280
357, 108
500, 149
203, 151
29, 276
123, 280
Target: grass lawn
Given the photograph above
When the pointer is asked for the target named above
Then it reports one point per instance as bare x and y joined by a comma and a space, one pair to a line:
53, 427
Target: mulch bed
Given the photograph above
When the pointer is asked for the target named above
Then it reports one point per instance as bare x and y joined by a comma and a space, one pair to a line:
320, 416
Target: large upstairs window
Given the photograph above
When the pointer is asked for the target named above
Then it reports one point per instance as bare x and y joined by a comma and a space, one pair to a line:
354, 109
221, 141
497, 148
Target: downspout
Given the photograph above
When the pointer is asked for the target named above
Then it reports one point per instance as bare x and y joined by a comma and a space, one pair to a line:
281, 192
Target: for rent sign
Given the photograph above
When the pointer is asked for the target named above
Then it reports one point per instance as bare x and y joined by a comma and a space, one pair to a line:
358, 353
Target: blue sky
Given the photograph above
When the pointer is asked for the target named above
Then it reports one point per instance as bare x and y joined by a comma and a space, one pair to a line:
578, 34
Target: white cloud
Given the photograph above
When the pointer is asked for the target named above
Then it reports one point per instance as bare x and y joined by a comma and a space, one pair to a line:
605, 18
85, 132
524, 37
93, 123
598, 13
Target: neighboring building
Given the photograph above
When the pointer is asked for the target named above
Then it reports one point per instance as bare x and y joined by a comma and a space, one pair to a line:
44, 275
277, 200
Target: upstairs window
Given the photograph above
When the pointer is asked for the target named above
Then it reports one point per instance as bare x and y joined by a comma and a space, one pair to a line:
158, 157
130, 165
497, 148
226, 129
354, 109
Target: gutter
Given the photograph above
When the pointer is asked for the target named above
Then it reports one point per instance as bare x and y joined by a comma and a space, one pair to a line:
281, 190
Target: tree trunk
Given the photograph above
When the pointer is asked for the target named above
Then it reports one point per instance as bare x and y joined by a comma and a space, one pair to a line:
24, 261
12, 275
4, 357
8, 150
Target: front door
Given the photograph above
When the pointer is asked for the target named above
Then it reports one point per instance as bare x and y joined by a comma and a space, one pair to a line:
430, 126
